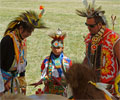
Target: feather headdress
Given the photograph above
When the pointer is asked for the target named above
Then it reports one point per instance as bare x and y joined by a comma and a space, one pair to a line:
59, 35
29, 17
90, 11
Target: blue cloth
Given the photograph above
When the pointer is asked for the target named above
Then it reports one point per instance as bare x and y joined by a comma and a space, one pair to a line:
7, 75
53, 62
1, 83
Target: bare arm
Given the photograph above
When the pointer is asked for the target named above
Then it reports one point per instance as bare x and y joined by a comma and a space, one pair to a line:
85, 61
117, 50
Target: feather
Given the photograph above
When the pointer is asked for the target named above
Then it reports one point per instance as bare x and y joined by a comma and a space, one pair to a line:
29, 17
102, 87
85, 3
63, 36
93, 3
59, 32
98, 9
81, 13
59, 35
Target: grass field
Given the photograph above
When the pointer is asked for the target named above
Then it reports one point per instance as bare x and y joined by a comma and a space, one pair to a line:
58, 14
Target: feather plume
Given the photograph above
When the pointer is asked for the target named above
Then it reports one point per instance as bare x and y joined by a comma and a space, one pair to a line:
59, 35
93, 3
98, 9
29, 17
81, 13
102, 87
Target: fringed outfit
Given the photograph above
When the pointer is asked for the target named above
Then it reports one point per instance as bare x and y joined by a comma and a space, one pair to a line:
13, 53
1, 83
101, 58
52, 66
13, 49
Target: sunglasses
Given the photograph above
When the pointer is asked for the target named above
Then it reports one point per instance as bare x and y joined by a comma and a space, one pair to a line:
91, 25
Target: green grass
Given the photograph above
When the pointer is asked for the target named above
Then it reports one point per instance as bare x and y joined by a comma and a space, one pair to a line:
58, 14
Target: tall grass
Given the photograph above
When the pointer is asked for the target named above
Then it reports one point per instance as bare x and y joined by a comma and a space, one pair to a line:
58, 14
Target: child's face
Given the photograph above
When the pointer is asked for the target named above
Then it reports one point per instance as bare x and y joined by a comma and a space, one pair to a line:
57, 50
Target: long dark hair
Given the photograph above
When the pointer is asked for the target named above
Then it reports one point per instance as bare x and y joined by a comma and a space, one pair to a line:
26, 26
78, 77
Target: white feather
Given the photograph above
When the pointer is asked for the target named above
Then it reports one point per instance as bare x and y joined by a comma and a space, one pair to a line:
103, 86
59, 32
85, 3
108, 93
93, 3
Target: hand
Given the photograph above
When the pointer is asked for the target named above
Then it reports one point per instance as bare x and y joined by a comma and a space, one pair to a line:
46, 82
1, 93
21, 67
23, 89
7, 86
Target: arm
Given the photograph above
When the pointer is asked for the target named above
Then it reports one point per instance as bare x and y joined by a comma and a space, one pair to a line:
70, 63
42, 67
117, 50
7, 53
22, 80
85, 61
117, 54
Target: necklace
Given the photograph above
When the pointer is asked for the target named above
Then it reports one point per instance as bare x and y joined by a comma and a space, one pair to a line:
96, 39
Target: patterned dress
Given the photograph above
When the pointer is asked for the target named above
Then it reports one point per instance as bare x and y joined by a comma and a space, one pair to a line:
52, 67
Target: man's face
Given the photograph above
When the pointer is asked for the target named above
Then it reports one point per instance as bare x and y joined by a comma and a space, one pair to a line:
25, 33
57, 50
93, 27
